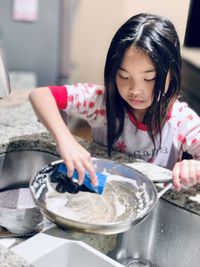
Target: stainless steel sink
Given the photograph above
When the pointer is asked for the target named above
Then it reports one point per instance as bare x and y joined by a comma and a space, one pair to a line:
17, 167
18, 213
169, 237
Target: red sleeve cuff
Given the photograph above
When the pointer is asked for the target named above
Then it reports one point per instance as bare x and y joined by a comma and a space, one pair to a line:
60, 95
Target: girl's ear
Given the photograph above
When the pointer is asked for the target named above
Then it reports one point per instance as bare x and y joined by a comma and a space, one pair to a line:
167, 82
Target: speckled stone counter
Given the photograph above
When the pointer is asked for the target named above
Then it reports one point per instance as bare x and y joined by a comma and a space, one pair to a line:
9, 258
20, 130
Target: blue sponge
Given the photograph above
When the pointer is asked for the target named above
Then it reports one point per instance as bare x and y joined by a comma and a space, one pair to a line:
100, 177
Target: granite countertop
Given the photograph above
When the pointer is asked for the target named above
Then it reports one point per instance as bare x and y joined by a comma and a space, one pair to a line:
20, 130
9, 258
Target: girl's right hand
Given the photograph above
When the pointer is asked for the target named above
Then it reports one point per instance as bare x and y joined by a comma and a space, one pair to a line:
76, 157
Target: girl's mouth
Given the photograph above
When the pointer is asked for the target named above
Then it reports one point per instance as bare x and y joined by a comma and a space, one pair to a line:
136, 101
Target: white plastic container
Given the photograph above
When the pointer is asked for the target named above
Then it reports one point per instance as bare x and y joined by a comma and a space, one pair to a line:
44, 250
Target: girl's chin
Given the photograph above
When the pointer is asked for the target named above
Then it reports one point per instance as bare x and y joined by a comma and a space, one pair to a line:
133, 109
139, 105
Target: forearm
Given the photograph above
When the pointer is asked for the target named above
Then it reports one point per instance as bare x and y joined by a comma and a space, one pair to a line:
74, 155
48, 113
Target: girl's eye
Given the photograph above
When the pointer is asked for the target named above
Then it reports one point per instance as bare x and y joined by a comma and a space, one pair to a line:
123, 77
149, 80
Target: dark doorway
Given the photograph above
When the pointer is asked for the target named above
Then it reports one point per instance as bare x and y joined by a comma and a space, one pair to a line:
192, 34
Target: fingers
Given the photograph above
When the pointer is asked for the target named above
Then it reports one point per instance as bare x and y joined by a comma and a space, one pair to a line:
82, 162
70, 167
81, 167
86, 165
187, 173
78, 164
198, 173
90, 168
176, 175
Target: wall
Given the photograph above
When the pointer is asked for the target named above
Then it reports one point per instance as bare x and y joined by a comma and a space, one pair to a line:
97, 22
176, 11
36, 46
32, 46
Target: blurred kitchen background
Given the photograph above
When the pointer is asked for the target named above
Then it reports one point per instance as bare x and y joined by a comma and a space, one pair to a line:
64, 41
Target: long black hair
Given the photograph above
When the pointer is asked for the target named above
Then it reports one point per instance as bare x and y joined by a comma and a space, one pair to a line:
157, 37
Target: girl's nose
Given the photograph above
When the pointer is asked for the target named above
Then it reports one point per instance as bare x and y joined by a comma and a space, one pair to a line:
134, 88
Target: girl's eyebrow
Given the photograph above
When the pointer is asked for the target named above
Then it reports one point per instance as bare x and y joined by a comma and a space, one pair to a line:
146, 71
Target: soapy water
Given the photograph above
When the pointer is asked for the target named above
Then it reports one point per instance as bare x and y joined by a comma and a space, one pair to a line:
121, 200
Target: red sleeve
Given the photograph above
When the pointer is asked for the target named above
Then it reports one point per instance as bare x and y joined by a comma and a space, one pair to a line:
60, 95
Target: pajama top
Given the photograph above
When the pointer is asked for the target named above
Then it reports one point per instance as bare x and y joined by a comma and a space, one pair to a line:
181, 132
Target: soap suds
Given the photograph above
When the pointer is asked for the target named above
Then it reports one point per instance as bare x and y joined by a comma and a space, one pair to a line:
122, 199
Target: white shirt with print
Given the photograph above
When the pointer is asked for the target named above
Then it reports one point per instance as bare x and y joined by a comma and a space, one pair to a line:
180, 133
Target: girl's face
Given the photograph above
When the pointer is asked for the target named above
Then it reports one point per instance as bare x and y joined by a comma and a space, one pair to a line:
135, 81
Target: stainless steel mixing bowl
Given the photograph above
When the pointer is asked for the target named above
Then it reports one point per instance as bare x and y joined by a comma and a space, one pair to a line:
129, 196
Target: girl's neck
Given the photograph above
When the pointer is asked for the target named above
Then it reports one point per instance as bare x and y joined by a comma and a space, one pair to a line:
137, 114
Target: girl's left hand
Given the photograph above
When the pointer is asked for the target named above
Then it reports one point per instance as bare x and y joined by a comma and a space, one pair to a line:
187, 173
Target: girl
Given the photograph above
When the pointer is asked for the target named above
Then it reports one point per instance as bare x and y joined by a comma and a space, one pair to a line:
137, 111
